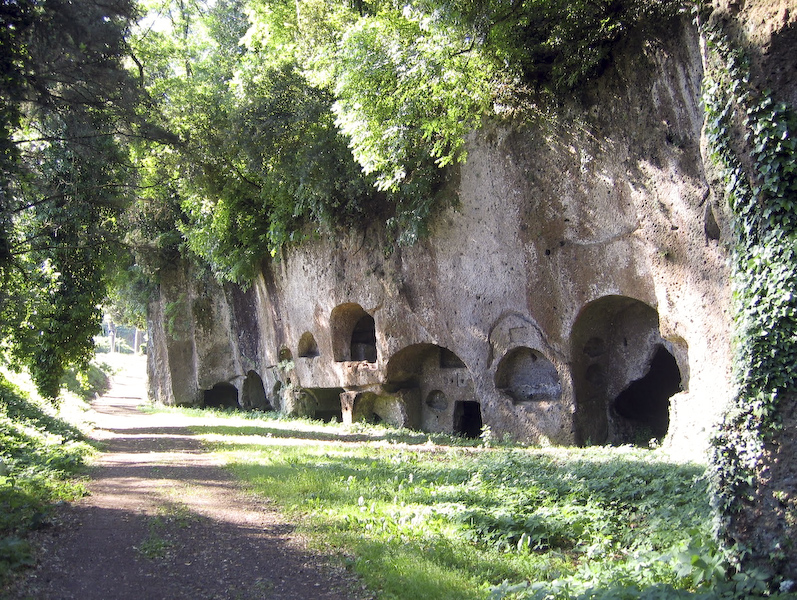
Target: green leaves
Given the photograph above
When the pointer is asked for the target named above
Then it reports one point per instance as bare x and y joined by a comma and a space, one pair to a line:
298, 117
67, 244
761, 187
65, 180
262, 163
403, 95
39, 452
281, 165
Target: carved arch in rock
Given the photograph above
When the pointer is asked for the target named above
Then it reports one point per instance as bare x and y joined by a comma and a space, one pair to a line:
353, 333
285, 354
397, 410
253, 393
443, 383
526, 375
624, 372
308, 348
325, 403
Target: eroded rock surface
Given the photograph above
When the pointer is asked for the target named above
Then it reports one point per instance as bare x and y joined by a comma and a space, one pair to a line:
586, 251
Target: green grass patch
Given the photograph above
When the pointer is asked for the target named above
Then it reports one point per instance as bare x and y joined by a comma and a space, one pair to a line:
40, 456
169, 517
445, 522
439, 517
154, 546
230, 422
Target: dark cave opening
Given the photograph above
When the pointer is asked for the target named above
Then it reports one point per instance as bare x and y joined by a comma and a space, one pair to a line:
327, 404
449, 360
253, 393
646, 401
308, 348
221, 395
363, 339
468, 419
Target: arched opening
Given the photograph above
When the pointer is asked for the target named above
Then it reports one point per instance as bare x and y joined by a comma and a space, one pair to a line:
441, 381
646, 402
623, 373
307, 346
325, 403
414, 365
353, 333
285, 354
363, 339
253, 393
366, 410
221, 395
468, 419
449, 360
527, 376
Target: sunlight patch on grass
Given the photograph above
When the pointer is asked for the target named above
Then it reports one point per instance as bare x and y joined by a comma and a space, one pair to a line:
41, 456
440, 517
447, 518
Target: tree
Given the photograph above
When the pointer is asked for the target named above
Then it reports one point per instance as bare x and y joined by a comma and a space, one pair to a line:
261, 162
67, 104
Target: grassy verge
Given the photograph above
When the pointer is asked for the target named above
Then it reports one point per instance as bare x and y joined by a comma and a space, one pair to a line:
445, 518
452, 523
41, 454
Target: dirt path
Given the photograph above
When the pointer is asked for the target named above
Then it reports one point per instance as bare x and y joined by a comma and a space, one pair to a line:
164, 522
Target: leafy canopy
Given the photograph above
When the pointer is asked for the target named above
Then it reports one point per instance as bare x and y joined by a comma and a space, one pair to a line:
298, 117
66, 104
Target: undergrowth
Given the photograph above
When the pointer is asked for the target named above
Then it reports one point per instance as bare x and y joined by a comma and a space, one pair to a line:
40, 456
423, 518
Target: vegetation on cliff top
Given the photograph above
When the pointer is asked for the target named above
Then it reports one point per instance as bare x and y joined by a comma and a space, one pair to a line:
298, 117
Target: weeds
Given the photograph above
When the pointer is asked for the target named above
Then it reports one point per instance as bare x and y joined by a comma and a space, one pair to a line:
444, 517
40, 454
169, 515
154, 545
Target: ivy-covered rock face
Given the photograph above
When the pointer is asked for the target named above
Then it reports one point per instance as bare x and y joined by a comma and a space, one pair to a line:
752, 135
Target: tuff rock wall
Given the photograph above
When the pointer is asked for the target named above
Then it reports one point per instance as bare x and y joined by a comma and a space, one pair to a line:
577, 293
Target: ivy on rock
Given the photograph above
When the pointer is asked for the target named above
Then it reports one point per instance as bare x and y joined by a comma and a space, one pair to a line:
760, 182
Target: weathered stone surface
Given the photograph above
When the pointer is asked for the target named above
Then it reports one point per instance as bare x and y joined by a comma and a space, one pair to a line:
581, 246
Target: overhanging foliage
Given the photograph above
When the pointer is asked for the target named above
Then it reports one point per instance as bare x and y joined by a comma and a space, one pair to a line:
298, 117
65, 105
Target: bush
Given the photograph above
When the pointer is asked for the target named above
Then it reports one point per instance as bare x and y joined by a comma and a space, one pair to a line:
89, 382
40, 454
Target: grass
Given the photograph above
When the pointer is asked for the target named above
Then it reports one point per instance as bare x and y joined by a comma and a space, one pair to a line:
451, 523
154, 546
41, 456
445, 518
170, 516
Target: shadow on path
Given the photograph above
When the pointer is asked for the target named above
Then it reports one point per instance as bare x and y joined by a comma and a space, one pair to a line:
162, 521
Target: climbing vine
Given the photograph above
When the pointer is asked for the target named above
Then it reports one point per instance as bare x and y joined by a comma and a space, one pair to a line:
751, 137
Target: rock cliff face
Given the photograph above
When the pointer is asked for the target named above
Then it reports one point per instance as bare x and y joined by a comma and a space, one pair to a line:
577, 293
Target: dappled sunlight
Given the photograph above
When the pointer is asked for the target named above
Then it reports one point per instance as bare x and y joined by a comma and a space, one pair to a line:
163, 520
485, 514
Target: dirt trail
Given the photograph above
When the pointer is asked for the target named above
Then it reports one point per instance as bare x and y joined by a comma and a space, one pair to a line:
164, 522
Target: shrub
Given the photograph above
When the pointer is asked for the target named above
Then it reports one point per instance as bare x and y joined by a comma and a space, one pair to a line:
40, 454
